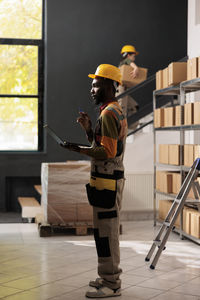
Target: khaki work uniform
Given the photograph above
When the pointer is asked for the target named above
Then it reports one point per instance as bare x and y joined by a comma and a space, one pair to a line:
128, 104
107, 183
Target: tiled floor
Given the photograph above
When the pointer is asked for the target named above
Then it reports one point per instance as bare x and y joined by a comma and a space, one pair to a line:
59, 267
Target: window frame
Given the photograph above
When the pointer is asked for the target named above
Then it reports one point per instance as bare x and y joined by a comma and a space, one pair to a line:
40, 94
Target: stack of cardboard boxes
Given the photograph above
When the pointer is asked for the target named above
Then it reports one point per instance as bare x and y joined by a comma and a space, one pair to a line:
177, 72
189, 114
191, 218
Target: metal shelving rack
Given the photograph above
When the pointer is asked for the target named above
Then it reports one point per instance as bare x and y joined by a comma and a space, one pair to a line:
180, 91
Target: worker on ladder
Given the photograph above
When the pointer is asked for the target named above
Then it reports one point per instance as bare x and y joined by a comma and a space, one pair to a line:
107, 178
128, 104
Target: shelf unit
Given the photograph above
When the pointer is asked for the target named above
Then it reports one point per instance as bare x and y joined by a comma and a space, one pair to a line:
180, 90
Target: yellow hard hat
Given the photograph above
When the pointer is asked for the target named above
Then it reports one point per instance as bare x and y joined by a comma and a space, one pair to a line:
129, 48
107, 71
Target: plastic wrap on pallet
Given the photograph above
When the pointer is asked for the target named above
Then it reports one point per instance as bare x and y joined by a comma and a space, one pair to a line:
64, 196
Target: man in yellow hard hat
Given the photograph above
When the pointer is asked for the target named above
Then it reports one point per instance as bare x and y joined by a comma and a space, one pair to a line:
128, 104
107, 178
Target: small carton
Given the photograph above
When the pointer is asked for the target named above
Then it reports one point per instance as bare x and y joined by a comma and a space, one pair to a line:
174, 155
164, 207
192, 68
196, 151
165, 78
176, 183
188, 113
196, 110
159, 80
163, 154
188, 155
169, 116
128, 80
167, 183
178, 115
195, 224
187, 220
159, 117
199, 66
177, 72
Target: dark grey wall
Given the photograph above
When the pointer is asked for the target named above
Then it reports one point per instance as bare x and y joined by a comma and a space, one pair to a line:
81, 34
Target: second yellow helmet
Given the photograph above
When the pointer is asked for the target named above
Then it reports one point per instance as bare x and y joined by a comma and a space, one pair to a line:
129, 48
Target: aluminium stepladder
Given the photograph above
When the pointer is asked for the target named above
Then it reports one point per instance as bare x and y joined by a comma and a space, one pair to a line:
174, 211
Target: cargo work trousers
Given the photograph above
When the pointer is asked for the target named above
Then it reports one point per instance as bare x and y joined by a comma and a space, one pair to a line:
106, 234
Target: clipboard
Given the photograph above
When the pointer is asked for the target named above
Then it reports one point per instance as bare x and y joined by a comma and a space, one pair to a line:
52, 133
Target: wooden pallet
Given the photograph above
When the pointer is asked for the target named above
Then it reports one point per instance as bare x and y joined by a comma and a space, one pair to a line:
79, 228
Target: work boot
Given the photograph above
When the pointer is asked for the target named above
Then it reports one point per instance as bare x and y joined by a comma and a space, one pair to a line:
102, 292
97, 283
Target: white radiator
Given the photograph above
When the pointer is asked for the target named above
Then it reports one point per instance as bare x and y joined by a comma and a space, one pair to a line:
138, 192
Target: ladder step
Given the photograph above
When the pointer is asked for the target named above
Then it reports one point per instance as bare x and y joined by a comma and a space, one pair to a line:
166, 223
177, 200
157, 243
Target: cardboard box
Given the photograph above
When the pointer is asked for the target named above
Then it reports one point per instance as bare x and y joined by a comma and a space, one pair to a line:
165, 78
164, 181
196, 151
196, 110
187, 220
176, 183
164, 207
159, 80
192, 68
177, 72
167, 182
127, 79
159, 117
195, 223
178, 115
188, 113
169, 116
174, 155
188, 155
163, 154
199, 66
191, 194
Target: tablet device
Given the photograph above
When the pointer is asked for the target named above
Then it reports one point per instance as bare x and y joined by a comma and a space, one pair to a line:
52, 133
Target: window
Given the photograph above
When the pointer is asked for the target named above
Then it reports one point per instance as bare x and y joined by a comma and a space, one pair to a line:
21, 74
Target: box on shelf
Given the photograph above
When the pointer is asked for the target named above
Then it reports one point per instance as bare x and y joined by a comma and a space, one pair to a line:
169, 116
64, 196
178, 115
187, 220
159, 80
163, 153
196, 113
164, 207
165, 78
191, 194
176, 182
199, 66
195, 223
188, 155
188, 113
192, 68
177, 72
159, 117
196, 151
174, 155
128, 80
164, 181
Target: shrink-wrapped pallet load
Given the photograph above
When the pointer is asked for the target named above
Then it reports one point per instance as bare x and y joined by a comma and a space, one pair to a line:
64, 196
